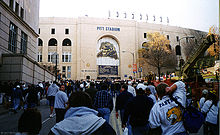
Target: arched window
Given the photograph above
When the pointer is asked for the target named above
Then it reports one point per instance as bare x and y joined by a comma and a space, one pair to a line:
66, 42
52, 42
144, 44
178, 50
169, 47
40, 42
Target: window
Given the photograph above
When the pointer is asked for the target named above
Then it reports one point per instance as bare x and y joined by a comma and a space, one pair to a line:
66, 57
168, 37
53, 31
68, 71
64, 75
177, 38
39, 57
169, 47
39, 31
23, 43
12, 43
11, 4
52, 42
187, 39
68, 68
145, 35
40, 42
66, 31
178, 50
50, 56
17, 8
64, 69
68, 75
66, 42
22, 13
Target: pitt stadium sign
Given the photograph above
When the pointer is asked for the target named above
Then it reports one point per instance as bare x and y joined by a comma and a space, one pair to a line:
107, 28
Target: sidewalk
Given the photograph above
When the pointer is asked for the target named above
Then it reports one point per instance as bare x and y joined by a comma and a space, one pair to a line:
4, 109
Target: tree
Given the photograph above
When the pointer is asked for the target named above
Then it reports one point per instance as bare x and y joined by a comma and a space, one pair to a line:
157, 52
191, 45
214, 49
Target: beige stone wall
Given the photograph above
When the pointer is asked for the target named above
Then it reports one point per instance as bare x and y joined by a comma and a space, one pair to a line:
19, 67
29, 25
11, 69
13, 65
85, 33
31, 11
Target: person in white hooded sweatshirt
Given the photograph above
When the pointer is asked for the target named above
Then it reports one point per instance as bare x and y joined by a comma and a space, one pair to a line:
81, 119
210, 109
51, 93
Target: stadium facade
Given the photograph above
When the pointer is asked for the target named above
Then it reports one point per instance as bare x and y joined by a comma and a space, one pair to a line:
91, 48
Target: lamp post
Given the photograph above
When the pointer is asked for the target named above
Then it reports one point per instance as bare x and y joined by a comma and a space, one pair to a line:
180, 63
132, 53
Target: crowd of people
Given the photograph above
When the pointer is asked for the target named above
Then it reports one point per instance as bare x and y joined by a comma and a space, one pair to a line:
84, 107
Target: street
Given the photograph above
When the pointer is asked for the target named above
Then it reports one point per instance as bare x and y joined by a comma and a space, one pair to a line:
9, 121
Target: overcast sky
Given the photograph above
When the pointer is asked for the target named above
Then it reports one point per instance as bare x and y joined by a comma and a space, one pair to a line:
195, 14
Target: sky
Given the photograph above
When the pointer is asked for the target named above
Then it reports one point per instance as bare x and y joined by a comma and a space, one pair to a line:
194, 14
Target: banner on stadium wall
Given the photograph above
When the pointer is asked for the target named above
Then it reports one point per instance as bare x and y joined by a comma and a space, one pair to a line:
108, 70
135, 68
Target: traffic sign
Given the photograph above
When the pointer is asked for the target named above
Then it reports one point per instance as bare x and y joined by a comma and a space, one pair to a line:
140, 69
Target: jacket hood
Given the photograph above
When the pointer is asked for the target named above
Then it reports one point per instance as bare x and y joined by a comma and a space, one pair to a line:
78, 121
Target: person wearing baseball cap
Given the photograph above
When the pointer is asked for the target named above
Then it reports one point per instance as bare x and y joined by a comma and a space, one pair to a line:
202, 99
131, 89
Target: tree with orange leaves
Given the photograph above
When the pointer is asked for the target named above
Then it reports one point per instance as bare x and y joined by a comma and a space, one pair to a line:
157, 52
214, 49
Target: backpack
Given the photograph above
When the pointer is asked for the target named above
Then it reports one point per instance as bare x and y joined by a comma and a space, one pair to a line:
193, 119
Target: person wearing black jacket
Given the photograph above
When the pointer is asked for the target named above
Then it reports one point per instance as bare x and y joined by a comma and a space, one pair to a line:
122, 100
138, 109
92, 91
32, 97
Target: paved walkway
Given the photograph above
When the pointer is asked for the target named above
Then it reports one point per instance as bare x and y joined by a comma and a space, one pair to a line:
5, 108
114, 122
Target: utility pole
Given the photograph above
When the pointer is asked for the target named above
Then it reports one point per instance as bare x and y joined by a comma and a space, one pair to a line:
56, 69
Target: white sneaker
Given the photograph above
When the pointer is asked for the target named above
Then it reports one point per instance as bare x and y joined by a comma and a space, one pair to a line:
51, 115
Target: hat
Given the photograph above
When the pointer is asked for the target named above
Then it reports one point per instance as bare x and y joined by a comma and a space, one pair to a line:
142, 86
18, 86
81, 85
205, 91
